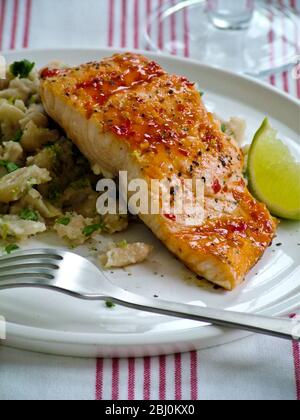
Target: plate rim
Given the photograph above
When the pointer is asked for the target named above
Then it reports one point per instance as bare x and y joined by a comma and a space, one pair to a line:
158, 55
189, 336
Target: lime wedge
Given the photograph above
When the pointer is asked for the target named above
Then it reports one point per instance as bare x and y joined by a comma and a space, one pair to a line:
274, 174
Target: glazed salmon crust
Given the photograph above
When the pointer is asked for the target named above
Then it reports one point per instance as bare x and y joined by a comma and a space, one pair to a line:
126, 113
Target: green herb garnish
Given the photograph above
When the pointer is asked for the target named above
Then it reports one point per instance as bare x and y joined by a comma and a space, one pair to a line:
109, 304
54, 194
89, 230
33, 100
65, 221
27, 214
10, 248
123, 244
9, 166
17, 137
81, 183
54, 148
21, 69
223, 128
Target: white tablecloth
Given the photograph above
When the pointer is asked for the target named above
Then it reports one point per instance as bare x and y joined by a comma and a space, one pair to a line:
254, 368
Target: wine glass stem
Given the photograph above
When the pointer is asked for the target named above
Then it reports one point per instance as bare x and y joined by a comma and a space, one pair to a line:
231, 14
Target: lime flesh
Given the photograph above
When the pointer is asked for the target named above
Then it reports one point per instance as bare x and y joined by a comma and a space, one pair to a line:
274, 174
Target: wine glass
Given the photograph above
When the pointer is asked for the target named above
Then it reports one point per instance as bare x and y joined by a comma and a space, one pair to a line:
256, 37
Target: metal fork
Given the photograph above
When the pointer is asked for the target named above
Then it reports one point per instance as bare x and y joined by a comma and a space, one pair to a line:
73, 275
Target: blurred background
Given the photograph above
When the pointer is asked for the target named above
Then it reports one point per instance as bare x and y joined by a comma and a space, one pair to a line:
258, 37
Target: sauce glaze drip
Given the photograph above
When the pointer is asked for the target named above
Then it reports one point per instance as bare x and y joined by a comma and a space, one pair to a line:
47, 73
146, 126
102, 87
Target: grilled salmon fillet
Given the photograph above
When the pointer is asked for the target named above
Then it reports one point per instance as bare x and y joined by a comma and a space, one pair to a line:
126, 113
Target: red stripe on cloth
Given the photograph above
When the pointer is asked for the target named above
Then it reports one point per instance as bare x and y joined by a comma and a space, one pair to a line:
285, 78
160, 28
297, 32
178, 377
296, 352
162, 377
131, 379
14, 24
271, 43
111, 14
136, 37
173, 30
148, 14
27, 23
186, 32
124, 7
147, 378
250, 4
99, 380
115, 379
2, 20
194, 376
285, 74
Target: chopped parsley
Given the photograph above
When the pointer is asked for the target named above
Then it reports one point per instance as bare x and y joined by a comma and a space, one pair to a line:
54, 148
27, 214
81, 183
89, 230
223, 128
201, 94
33, 100
123, 244
9, 166
17, 137
65, 221
54, 194
109, 304
11, 248
21, 69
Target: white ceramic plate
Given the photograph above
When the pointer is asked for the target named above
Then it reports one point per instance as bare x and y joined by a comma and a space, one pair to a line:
49, 322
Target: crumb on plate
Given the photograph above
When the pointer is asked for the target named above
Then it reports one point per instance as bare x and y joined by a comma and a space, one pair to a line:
123, 255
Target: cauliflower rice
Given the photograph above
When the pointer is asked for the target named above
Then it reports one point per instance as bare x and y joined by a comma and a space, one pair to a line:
123, 255
46, 184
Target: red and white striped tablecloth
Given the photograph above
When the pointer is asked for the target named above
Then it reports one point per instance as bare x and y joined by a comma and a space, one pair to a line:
254, 368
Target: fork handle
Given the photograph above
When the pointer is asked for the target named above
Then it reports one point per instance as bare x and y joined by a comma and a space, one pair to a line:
284, 328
